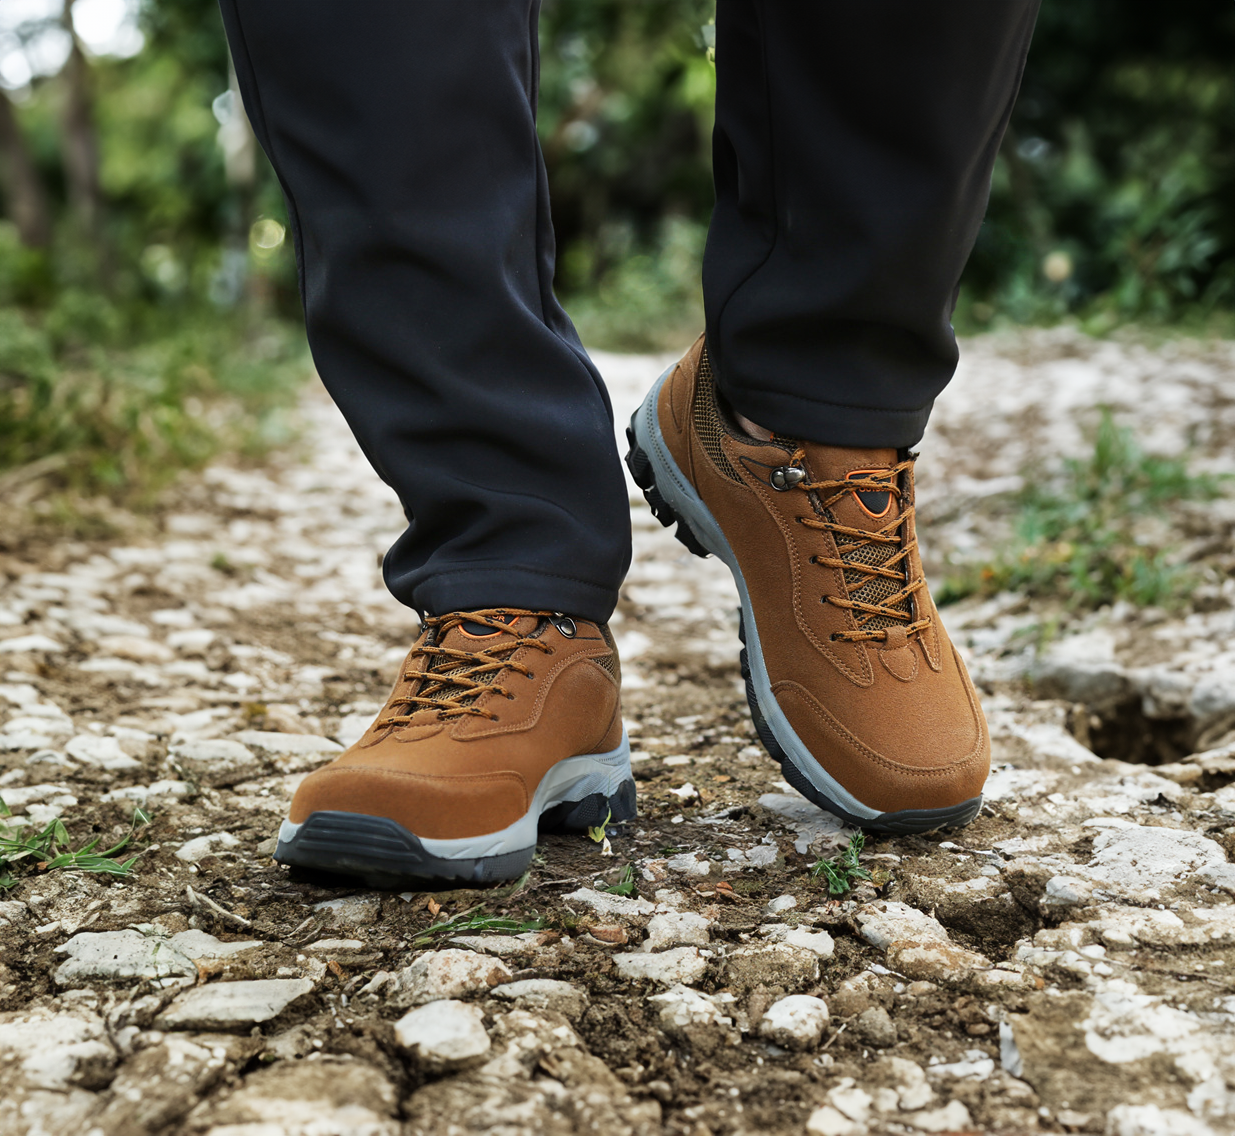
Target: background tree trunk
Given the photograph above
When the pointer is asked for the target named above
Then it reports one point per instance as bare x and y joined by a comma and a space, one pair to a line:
79, 143
25, 197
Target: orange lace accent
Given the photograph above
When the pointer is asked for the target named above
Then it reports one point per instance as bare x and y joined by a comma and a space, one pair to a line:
849, 541
474, 672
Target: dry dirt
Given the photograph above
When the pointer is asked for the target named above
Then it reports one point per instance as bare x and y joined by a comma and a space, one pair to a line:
1066, 963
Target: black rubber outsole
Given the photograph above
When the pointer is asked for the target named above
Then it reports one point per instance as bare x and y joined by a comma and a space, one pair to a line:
383, 854
903, 822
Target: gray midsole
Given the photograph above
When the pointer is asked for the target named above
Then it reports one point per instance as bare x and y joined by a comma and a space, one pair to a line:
571, 779
688, 505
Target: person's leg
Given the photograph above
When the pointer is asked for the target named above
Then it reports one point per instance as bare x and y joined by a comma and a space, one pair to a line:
854, 145
404, 136
853, 153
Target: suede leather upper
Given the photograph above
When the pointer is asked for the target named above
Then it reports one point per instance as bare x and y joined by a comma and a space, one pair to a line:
445, 776
896, 721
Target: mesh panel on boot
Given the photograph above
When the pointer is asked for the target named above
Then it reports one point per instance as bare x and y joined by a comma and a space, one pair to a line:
708, 423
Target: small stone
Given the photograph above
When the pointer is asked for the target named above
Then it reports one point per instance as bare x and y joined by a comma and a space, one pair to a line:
934, 961
191, 641
605, 904
191, 851
909, 1081
953, 1117
103, 753
233, 1005
215, 761
860, 993
885, 922
136, 649
782, 903
796, 1022
812, 826
680, 965
352, 910
120, 955
335, 946
827, 1121
875, 1027
774, 964
439, 975
610, 933
444, 1036
545, 994
681, 1008
855, 1103
690, 864
677, 929
291, 753
505, 946
28, 643
817, 942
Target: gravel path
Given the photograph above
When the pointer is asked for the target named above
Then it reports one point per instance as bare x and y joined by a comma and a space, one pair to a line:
1065, 964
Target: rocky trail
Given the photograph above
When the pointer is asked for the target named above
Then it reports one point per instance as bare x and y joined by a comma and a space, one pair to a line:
1064, 964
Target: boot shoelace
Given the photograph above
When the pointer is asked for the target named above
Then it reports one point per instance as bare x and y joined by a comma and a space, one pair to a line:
475, 672
895, 607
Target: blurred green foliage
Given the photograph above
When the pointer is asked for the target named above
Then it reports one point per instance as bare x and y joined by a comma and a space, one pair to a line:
1096, 532
121, 335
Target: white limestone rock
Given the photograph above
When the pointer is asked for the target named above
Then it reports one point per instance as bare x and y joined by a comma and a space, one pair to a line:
233, 1005
115, 955
677, 929
352, 910
100, 752
933, 961
215, 761
795, 1022
618, 907
289, 753
445, 1035
681, 1009
886, 921
438, 975
828, 1121
680, 965
545, 994
191, 851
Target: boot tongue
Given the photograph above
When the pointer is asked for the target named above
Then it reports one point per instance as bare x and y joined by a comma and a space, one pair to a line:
861, 508
474, 636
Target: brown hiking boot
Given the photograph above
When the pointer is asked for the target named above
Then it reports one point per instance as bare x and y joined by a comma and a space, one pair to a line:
853, 684
503, 722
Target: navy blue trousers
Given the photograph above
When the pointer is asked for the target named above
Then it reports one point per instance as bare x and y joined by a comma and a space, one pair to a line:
853, 150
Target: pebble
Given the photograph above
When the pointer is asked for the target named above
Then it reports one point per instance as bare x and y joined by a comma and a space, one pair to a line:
191, 851
214, 761
292, 753
611, 906
782, 903
447, 974
101, 752
885, 922
233, 1005
444, 1036
545, 994
677, 929
776, 964
953, 1117
875, 1027
827, 1121
680, 1008
795, 1022
817, 942
680, 965
934, 961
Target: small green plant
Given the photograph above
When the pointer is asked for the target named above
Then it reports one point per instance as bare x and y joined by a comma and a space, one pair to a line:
842, 872
47, 850
475, 921
1083, 537
597, 832
625, 882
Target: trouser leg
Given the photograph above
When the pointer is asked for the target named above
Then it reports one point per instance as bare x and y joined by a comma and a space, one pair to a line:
404, 137
853, 151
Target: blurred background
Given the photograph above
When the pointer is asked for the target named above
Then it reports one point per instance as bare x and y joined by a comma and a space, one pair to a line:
148, 307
